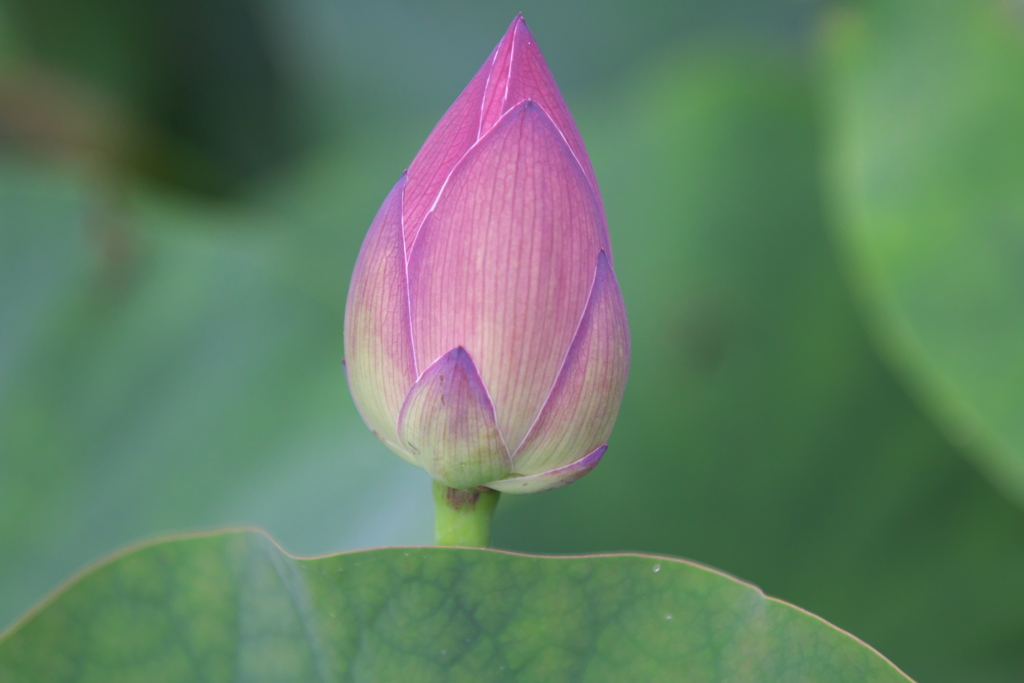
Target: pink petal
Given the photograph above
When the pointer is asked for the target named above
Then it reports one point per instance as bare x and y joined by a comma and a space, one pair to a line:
520, 73
552, 479
378, 348
580, 412
448, 424
455, 133
514, 72
504, 264
493, 106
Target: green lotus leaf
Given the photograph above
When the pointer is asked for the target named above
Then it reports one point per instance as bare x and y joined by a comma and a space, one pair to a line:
235, 607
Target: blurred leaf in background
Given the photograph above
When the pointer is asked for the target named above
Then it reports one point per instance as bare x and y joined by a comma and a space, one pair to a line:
153, 379
170, 362
206, 94
926, 132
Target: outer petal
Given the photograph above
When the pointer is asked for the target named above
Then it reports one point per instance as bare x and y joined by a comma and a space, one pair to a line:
379, 359
520, 73
448, 424
584, 401
504, 264
514, 72
493, 105
553, 479
453, 135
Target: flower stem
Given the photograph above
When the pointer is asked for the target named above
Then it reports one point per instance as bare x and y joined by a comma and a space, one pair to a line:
463, 516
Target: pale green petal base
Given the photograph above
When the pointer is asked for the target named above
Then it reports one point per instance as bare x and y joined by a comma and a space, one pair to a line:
553, 479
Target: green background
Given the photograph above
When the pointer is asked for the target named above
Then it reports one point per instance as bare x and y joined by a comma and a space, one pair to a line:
817, 222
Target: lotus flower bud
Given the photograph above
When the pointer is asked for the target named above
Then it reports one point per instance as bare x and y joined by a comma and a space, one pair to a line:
485, 333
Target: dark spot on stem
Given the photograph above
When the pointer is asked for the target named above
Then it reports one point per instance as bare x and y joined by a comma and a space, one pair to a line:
461, 498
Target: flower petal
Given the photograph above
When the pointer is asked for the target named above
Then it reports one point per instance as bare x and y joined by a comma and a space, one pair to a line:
493, 105
379, 359
520, 73
453, 135
504, 264
448, 424
581, 409
552, 479
514, 72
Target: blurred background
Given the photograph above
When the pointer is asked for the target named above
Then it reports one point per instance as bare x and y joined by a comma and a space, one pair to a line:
817, 210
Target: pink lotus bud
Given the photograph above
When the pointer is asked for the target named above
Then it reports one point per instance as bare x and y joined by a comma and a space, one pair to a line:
485, 333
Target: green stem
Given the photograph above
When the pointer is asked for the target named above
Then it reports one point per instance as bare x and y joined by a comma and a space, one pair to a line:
463, 516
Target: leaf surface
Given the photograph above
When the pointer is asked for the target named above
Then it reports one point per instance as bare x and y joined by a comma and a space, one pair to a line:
234, 607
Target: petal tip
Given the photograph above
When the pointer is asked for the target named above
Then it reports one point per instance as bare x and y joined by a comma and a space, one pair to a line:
518, 22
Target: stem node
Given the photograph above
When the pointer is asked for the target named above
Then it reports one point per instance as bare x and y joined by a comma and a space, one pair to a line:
463, 516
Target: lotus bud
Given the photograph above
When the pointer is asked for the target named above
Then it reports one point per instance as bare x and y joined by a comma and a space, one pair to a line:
485, 334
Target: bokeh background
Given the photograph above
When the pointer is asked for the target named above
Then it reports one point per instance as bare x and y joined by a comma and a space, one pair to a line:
817, 210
